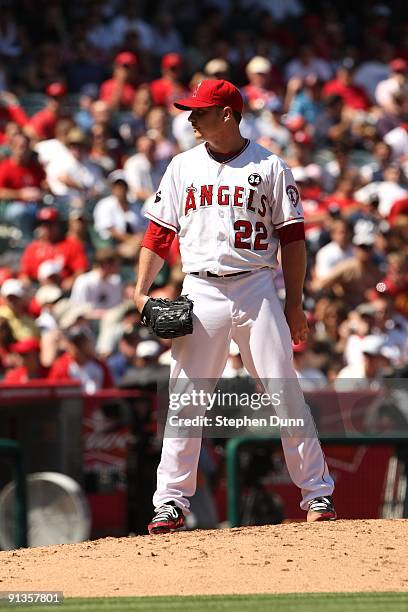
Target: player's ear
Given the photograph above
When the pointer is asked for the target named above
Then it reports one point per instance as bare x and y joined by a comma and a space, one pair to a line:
227, 113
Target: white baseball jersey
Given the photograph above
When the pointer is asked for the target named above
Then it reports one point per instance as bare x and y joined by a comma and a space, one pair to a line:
227, 214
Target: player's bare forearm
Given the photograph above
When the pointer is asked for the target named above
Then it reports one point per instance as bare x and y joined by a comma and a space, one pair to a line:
293, 257
294, 270
150, 265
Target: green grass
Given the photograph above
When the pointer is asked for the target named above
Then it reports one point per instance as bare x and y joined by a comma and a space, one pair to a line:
313, 602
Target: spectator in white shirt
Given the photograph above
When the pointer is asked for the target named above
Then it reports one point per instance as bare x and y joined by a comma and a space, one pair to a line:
53, 152
143, 172
101, 288
339, 249
118, 217
371, 72
397, 139
366, 373
375, 68
390, 189
396, 83
77, 177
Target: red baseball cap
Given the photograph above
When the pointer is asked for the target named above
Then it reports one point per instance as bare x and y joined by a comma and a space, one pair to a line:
398, 65
48, 214
56, 90
126, 58
295, 123
213, 92
301, 137
172, 60
28, 345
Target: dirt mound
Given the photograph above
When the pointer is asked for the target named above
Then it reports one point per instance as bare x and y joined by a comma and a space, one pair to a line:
298, 557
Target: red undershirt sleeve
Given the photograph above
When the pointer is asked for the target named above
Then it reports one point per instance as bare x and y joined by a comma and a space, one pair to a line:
158, 239
291, 233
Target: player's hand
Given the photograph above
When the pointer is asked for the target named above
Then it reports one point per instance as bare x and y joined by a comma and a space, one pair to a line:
297, 322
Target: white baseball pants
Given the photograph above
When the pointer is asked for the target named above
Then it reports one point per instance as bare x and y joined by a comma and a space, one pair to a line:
247, 309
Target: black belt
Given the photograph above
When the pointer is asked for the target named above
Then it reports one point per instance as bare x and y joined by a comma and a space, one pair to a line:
211, 275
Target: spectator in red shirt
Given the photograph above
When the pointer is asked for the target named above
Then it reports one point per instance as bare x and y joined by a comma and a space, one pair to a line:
31, 367
353, 96
21, 175
119, 91
22, 179
52, 244
42, 124
10, 111
169, 87
79, 362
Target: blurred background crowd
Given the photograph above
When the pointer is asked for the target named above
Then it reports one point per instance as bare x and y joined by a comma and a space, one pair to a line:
87, 128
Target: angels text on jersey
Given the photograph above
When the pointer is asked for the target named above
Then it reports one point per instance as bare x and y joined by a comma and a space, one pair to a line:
226, 214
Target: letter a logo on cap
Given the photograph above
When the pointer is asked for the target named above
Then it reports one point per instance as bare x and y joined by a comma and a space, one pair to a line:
195, 92
212, 92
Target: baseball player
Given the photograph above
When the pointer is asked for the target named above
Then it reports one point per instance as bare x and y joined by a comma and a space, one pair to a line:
231, 202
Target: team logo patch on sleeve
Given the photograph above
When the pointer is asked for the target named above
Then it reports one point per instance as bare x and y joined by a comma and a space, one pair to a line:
158, 197
254, 179
293, 194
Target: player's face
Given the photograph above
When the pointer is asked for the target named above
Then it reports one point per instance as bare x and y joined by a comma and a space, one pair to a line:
206, 122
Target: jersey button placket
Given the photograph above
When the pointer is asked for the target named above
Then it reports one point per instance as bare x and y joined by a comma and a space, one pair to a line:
219, 172
222, 230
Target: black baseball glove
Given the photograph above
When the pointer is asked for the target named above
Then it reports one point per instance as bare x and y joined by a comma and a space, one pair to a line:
169, 318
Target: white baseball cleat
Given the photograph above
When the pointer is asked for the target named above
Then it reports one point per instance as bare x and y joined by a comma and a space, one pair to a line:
321, 509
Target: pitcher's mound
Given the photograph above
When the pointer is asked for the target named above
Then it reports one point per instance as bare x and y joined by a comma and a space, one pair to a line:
366, 555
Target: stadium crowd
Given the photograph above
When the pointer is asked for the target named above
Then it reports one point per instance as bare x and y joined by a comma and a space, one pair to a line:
88, 126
